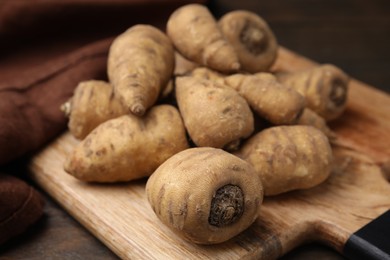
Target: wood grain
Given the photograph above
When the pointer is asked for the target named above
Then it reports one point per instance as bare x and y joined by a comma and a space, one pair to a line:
356, 193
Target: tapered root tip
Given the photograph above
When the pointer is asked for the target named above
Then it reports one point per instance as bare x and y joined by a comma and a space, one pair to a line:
137, 109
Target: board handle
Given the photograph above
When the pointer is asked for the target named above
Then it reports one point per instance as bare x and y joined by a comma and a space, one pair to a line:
371, 242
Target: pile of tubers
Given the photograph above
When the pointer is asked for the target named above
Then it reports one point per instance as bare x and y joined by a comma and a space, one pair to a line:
199, 112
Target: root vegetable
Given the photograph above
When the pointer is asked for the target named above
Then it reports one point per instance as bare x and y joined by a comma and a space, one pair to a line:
215, 115
311, 118
288, 157
206, 73
183, 66
195, 34
93, 103
268, 98
128, 147
252, 39
140, 64
325, 89
205, 195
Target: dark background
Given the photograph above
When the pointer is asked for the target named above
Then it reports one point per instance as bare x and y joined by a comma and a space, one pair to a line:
352, 34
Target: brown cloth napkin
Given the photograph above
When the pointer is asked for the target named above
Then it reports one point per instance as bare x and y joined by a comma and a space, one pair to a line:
21, 205
46, 49
42, 59
30, 104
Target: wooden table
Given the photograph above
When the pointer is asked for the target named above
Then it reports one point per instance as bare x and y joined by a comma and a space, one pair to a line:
353, 34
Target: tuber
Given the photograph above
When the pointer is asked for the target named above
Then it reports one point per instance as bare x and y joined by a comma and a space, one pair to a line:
92, 103
214, 115
183, 66
140, 64
206, 73
268, 98
288, 157
311, 118
252, 39
324, 87
205, 195
128, 147
195, 34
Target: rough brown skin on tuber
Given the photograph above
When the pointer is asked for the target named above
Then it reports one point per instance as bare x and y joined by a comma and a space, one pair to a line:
206, 73
128, 147
324, 87
183, 66
252, 39
195, 34
205, 195
311, 118
215, 115
265, 95
92, 103
268, 98
289, 157
140, 64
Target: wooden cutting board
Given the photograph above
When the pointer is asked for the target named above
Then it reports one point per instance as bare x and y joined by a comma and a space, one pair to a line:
356, 193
